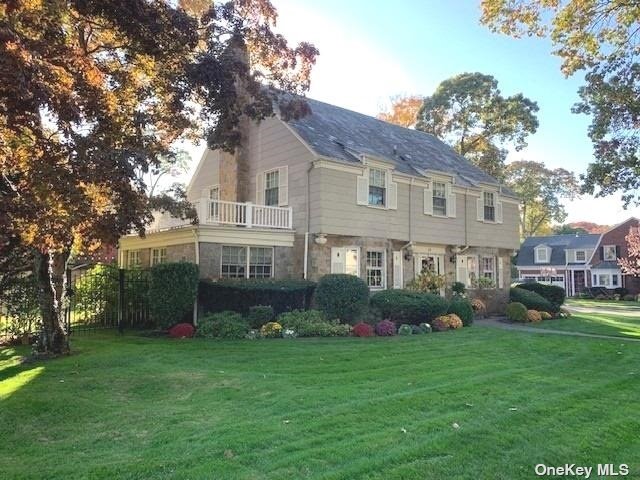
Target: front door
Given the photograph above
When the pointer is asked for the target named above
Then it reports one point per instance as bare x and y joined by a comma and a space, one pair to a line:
578, 282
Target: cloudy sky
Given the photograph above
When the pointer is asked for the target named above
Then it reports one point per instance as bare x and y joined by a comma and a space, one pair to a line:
372, 50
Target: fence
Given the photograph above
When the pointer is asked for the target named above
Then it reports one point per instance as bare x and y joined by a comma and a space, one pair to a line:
103, 297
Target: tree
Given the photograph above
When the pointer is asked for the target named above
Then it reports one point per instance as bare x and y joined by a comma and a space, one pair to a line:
631, 264
600, 37
404, 110
567, 229
95, 92
470, 114
540, 190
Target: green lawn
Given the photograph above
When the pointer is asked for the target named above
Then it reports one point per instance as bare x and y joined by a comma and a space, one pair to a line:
609, 304
341, 408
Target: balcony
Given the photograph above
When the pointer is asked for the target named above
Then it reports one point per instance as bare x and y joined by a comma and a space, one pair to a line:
249, 215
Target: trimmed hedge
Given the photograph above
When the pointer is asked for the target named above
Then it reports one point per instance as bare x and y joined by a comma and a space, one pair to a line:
240, 295
343, 297
516, 312
556, 295
172, 291
531, 300
404, 306
463, 309
228, 325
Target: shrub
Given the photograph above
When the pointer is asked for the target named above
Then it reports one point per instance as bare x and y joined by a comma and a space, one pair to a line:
479, 308
441, 323
405, 329
516, 312
239, 295
371, 316
309, 323
564, 313
463, 309
555, 295
621, 291
271, 330
425, 327
362, 330
546, 315
458, 288
417, 330
385, 328
182, 330
629, 298
404, 306
340, 329
259, 315
342, 296
222, 325
289, 333
601, 296
22, 314
455, 321
172, 292
531, 300
427, 282
534, 316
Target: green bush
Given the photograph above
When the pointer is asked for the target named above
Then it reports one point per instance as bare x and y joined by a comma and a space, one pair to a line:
259, 315
516, 312
239, 295
341, 296
531, 300
22, 314
458, 288
463, 309
556, 295
173, 288
404, 306
405, 329
222, 325
312, 323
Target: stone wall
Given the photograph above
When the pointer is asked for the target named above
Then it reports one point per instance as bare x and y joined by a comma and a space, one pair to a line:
211, 258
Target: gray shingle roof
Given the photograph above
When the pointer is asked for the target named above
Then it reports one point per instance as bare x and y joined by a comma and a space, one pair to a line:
345, 135
608, 265
558, 245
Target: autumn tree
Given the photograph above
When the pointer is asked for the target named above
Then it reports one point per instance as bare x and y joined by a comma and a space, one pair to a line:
541, 191
403, 110
600, 38
92, 93
470, 113
630, 265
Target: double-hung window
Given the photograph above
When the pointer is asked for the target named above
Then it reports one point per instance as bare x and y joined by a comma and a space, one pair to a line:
375, 270
214, 206
489, 207
234, 262
133, 258
158, 255
272, 188
581, 256
247, 262
439, 199
489, 268
260, 262
377, 187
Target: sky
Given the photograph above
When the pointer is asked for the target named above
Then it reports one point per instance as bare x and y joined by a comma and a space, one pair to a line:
372, 50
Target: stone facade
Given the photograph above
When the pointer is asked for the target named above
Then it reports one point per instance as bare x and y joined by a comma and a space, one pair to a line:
211, 258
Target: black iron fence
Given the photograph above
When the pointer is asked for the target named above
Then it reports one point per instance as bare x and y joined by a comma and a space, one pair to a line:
101, 297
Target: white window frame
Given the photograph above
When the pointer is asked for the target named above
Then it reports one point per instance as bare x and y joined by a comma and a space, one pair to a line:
273, 171
604, 253
584, 252
247, 263
131, 254
538, 250
364, 185
382, 268
492, 271
385, 188
443, 196
492, 196
344, 251
158, 255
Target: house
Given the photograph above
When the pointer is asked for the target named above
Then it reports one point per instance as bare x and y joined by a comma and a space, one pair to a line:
578, 261
338, 192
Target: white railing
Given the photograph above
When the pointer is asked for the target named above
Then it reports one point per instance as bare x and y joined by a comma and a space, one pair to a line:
245, 214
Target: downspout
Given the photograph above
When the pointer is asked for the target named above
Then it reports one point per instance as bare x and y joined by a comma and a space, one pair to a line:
197, 258
305, 269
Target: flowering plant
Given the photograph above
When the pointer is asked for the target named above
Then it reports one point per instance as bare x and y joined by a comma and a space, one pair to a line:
385, 328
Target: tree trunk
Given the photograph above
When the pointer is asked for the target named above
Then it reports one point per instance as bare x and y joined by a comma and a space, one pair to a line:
50, 271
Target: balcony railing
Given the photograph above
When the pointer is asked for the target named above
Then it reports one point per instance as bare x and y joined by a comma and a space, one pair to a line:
248, 215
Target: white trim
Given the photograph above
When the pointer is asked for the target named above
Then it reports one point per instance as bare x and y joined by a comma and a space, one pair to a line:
247, 249
604, 253
383, 268
161, 258
344, 250
199, 166
547, 254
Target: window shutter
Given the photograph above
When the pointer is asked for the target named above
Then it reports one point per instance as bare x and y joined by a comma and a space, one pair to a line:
498, 211
283, 186
480, 209
461, 270
260, 189
617, 251
601, 253
338, 264
392, 192
397, 270
363, 189
501, 282
451, 202
428, 199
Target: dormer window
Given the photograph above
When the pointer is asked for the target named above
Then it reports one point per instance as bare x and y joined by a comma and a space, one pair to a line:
581, 256
542, 255
377, 187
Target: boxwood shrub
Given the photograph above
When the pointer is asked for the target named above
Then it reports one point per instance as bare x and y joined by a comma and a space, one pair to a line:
222, 325
404, 306
463, 309
239, 295
556, 295
172, 292
516, 312
532, 300
343, 297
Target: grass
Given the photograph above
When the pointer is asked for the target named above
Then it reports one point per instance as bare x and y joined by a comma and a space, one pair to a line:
383, 408
609, 304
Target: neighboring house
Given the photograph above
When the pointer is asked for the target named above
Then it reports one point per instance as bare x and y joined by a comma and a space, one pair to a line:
338, 192
577, 262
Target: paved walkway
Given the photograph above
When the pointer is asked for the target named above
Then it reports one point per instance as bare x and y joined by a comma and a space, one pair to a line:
497, 322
